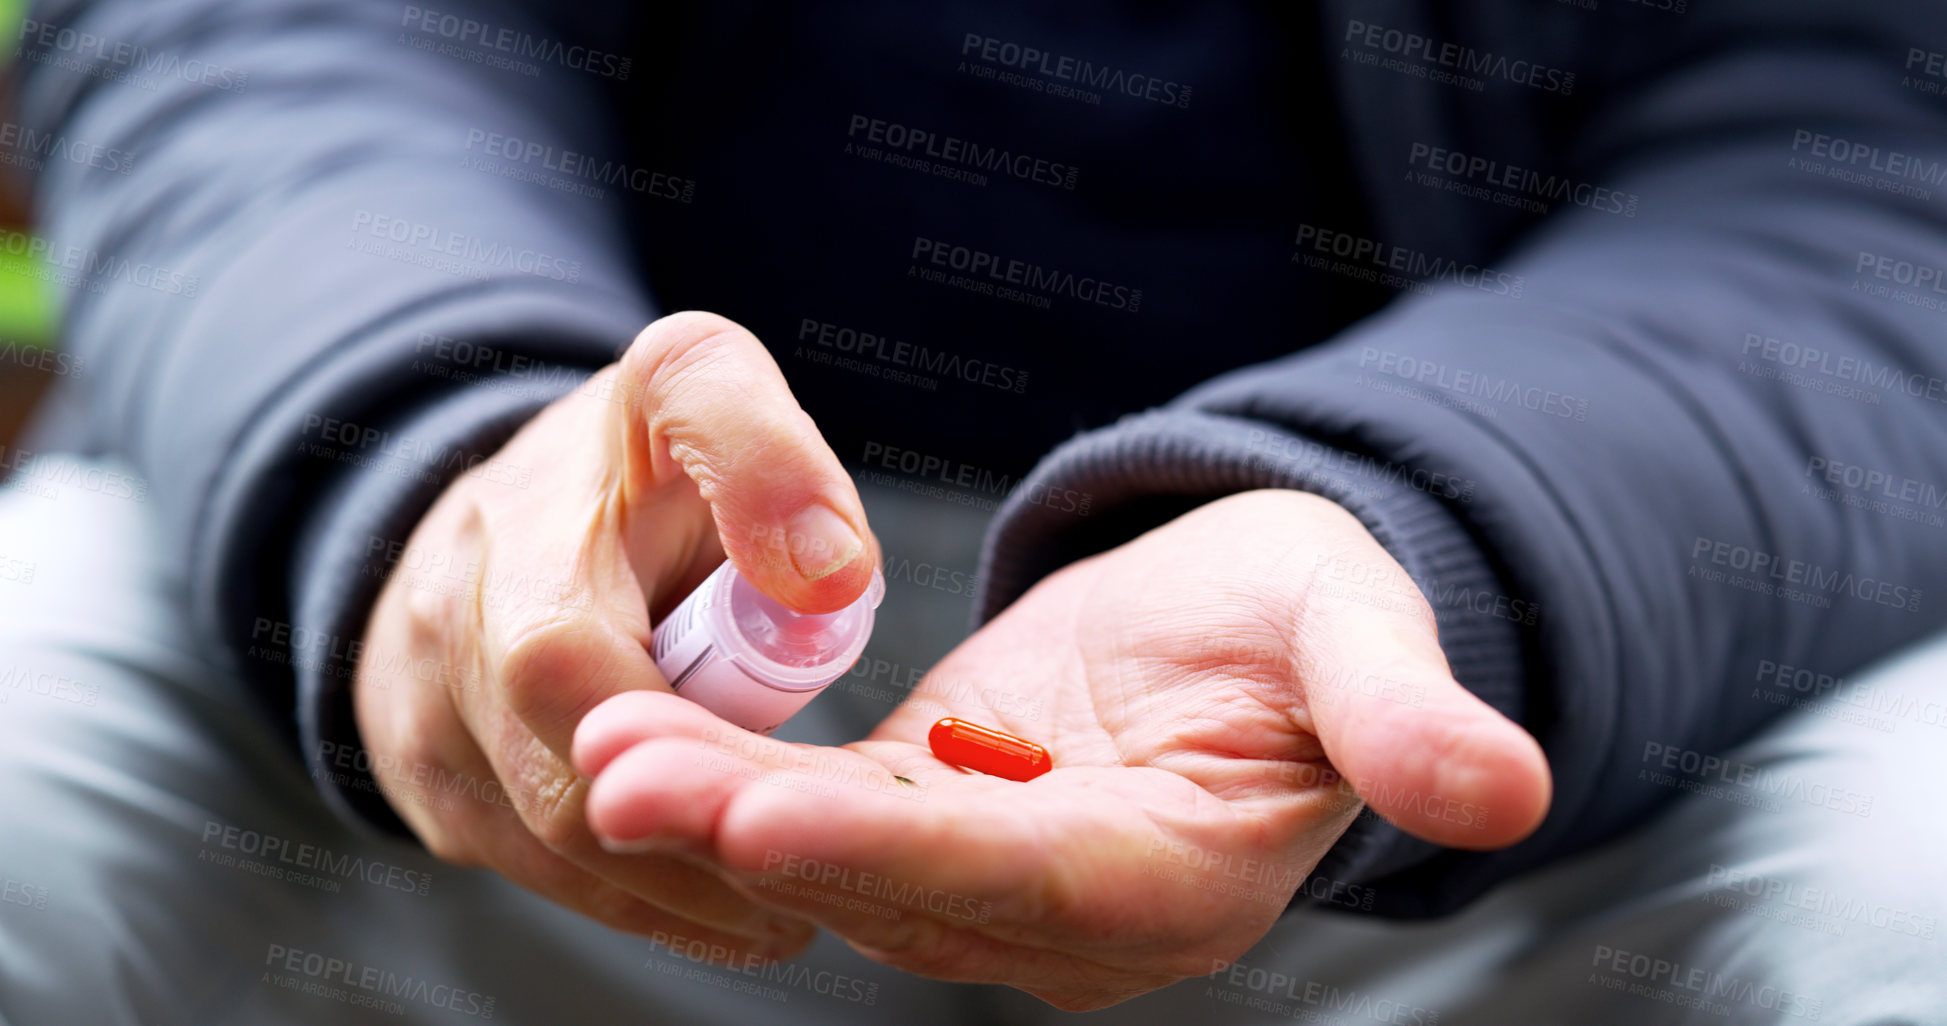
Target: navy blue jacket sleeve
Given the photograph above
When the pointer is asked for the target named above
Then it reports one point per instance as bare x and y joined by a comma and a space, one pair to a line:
1700, 442
313, 221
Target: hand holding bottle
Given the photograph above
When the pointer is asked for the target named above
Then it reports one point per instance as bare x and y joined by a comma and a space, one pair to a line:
689, 449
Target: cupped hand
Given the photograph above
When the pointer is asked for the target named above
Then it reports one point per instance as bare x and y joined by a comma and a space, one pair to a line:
1220, 697
531, 605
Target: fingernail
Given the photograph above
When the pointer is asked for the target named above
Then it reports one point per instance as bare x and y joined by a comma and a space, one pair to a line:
631, 846
821, 542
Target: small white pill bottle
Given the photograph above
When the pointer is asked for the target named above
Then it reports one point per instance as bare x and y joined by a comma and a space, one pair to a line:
755, 662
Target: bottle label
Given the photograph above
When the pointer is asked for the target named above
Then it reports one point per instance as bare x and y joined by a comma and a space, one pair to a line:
679, 648
696, 668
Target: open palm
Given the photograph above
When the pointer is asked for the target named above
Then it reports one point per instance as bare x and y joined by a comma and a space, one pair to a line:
1212, 721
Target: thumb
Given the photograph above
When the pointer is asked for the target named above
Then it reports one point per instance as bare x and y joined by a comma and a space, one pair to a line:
703, 405
1423, 751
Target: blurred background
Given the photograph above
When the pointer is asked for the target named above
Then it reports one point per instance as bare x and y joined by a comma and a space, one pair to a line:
27, 301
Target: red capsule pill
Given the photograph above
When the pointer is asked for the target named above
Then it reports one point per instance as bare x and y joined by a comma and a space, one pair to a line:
972, 746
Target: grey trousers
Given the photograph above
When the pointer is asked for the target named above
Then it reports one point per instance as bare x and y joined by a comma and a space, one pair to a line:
164, 860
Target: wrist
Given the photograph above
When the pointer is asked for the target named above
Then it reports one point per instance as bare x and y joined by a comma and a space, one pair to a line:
348, 550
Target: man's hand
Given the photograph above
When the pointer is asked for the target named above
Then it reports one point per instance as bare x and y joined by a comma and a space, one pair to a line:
535, 605
1217, 696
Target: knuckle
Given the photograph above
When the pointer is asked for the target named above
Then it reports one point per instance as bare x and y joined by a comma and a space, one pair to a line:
396, 733
546, 663
554, 820
549, 805
555, 832
699, 385
686, 325
676, 344
428, 616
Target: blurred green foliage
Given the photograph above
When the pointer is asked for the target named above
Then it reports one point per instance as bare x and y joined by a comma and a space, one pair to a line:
27, 309
26, 300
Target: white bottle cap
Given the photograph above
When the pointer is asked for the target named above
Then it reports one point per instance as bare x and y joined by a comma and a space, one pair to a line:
753, 661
